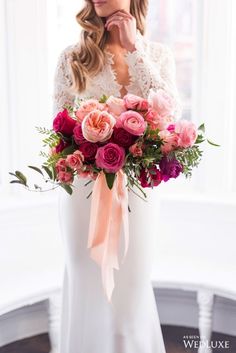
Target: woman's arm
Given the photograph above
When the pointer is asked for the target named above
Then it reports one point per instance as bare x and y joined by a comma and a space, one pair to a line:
154, 67
62, 82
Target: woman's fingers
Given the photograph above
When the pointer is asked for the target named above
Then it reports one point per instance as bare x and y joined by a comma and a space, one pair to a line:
118, 15
113, 23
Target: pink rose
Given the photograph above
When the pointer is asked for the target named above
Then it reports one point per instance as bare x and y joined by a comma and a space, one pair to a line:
65, 177
110, 157
134, 102
161, 101
98, 126
63, 123
170, 141
157, 121
87, 173
75, 160
187, 133
78, 134
136, 150
132, 122
115, 105
87, 107
61, 165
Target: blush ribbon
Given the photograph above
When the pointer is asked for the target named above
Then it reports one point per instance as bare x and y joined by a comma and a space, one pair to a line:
109, 209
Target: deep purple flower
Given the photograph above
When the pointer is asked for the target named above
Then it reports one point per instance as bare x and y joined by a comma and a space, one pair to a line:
153, 173
170, 168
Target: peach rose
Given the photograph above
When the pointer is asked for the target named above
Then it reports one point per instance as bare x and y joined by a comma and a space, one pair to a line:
161, 101
65, 177
87, 107
61, 165
170, 141
157, 121
98, 126
133, 122
75, 160
136, 150
187, 133
135, 102
115, 105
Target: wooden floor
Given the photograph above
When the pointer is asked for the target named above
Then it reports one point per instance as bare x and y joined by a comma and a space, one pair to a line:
173, 337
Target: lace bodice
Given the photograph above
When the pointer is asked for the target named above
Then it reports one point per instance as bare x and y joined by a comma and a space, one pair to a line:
151, 65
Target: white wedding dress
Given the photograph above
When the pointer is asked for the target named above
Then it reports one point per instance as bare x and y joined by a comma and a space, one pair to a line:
130, 324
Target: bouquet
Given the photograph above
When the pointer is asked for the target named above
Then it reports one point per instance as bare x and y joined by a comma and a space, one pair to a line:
138, 136
121, 144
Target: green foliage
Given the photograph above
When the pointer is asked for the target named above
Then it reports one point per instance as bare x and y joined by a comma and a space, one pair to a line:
188, 157
103, 99
110, 178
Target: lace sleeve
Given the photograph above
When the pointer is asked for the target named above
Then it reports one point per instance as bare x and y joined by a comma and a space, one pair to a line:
62, 82
154, 67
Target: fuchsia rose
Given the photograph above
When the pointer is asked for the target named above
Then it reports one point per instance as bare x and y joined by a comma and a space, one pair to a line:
170, 141
75, 160
170, 168
151, 177
134, 102
110, 157
136, 150
122, 137
115, 105
63, 123
78, 134
87, 107
187, 133
133, 122
88, 150
98, 126
65, 177
161, 101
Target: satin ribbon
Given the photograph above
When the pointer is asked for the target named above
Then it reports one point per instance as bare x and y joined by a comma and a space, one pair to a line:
109, 209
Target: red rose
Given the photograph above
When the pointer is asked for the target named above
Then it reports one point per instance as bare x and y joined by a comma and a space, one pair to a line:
89, 150
123, 138
63, 123
151, 178
78, 134
61, 146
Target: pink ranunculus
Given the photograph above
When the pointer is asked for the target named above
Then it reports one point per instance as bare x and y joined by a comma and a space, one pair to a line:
156, 121
61, 165
187, 133
63, 123
134, 102
110, 157
170, 141
136, 150
75, 160
65, 177
98, 126
133, 122
87, 107
115, 105
161, 101
78, 134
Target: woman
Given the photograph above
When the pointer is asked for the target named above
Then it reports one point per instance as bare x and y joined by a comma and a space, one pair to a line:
113, 58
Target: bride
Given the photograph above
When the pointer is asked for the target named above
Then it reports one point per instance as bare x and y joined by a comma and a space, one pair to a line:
113, 57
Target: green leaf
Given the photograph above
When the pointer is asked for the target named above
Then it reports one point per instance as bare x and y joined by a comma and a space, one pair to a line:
13, 174
68, 188
212, 143
21, 177
110, 178
17, 182
36, 169
200, 139
48, 171
202, 127
103, 99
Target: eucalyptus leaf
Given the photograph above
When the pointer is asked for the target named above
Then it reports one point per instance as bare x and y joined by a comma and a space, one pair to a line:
68, 188
48, 171
212, 143
36, 169
202, 127
16, 182
21, 177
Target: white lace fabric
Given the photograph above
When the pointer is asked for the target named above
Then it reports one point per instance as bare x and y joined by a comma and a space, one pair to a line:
150, 65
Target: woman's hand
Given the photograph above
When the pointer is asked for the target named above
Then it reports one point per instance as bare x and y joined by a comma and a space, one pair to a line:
126, 24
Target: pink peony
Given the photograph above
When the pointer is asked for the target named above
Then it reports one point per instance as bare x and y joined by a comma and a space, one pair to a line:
134, 102
187, 133
161, 101
98, 126
75, 160
63, 123
170, 141
110, 157
132, 122
65, 177
136, 150
87, 107
115, 105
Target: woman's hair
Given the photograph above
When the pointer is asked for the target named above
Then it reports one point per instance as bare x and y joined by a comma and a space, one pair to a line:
89, 60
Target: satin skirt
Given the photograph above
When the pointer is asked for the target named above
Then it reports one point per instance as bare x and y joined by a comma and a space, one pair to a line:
88, 322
